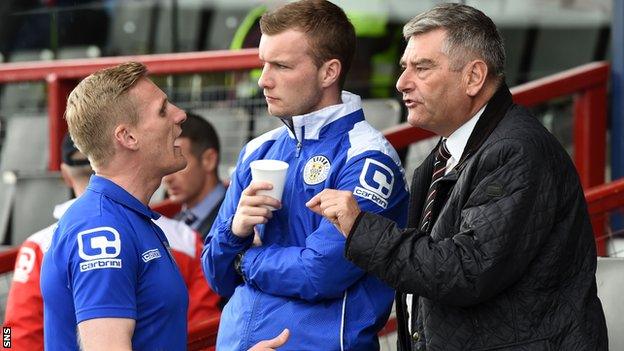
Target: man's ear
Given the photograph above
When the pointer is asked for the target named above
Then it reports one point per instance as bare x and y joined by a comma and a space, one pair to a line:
124, 137
210, 160
330, 72
476, 73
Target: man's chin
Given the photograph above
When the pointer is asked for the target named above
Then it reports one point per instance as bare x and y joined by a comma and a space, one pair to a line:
273, 111
180, 165
178, 199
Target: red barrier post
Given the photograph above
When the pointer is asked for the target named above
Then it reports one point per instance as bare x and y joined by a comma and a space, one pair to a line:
590, 127
58, 90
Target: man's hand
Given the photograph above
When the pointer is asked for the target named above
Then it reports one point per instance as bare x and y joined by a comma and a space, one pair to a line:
273, 344
338, 206
257, 240
252, 209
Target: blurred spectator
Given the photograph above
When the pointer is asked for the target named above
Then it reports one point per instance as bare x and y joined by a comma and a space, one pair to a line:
197, 187
24, 311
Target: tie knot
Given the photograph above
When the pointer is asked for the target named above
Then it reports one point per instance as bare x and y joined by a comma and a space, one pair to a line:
443, 152
188, 217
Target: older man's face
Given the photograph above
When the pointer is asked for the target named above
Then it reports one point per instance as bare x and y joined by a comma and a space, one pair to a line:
433, 92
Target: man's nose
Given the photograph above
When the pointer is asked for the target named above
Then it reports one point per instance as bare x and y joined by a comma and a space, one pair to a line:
264, 81
405, 82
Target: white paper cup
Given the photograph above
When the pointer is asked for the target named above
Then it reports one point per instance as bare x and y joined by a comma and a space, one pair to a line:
271, 171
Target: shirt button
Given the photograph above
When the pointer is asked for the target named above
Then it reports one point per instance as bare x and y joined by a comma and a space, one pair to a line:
415, 336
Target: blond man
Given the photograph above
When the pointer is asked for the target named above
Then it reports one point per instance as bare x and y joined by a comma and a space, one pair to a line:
108, 273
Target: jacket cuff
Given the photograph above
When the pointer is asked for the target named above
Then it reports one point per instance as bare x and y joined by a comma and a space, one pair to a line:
247, 259
354, 226
364, 237
232, 240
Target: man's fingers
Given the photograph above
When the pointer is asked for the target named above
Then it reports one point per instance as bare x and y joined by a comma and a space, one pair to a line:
279, 340
315, 205
255, 186
314, 202
260, 200
273, 344
254, 211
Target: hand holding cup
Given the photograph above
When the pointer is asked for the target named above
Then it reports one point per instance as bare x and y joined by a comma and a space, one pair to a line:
261, 197
270, 171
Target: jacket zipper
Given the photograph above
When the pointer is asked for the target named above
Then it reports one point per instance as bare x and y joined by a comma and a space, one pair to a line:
298, 148
290, 126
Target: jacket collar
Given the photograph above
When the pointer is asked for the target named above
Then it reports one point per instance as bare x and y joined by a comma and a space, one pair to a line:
311, 126
494, 112
118, 194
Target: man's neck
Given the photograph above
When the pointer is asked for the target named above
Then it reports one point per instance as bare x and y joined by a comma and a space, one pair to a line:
131, 178
331, 96
476, 104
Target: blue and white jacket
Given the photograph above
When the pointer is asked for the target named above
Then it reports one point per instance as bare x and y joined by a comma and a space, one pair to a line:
299, 278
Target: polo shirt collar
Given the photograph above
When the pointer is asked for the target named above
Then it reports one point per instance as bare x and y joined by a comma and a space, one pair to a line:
116, 193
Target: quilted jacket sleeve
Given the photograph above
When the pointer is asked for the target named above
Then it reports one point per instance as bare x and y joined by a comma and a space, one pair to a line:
504, 216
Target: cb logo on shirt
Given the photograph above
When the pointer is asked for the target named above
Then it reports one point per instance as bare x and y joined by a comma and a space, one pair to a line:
99, 247
376, 182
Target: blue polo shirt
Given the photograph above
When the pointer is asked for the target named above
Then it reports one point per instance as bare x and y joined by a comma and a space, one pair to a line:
108, 259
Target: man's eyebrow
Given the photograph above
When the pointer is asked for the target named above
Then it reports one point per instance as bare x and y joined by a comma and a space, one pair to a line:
424, 61
276, 62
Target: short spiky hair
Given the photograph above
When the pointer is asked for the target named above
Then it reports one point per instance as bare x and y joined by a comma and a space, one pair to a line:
98, 104
330, 33
469, 34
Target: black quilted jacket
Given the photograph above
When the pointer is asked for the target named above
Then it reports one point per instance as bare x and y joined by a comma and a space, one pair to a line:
510, 262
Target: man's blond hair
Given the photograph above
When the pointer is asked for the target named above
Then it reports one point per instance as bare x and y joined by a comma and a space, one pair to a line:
98, 104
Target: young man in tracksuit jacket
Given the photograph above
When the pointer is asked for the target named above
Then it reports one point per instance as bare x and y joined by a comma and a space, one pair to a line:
294, 275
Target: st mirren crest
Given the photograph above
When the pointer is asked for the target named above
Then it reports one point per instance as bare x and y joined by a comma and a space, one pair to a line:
316, 170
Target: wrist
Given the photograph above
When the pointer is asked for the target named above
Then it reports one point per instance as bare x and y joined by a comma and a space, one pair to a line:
238, 265
239, 231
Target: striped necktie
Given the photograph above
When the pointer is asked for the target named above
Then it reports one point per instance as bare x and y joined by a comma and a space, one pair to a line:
439, 167
188, 217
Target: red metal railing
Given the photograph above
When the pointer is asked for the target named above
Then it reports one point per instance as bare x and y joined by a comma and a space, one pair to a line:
588, 83
63, 75
603, 202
